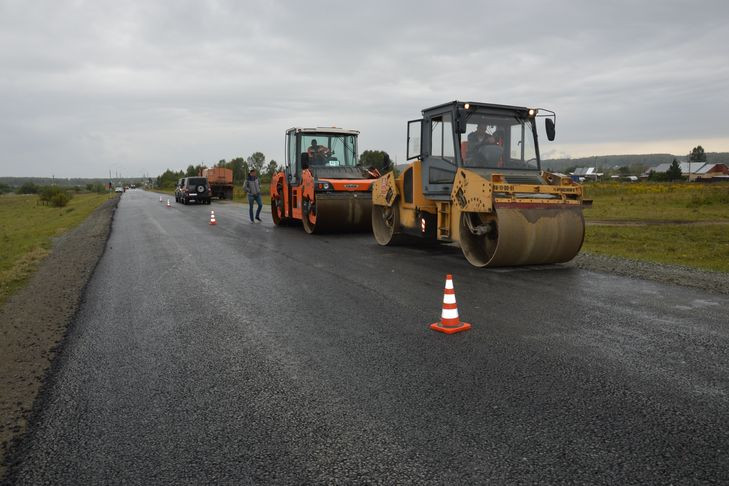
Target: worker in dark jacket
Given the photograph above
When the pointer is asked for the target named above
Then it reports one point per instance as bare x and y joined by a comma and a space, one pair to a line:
253, 188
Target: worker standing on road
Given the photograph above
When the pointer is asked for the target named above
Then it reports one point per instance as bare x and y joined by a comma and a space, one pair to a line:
253, 188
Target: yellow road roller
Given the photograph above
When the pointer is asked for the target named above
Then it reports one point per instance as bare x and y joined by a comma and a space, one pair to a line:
477, 181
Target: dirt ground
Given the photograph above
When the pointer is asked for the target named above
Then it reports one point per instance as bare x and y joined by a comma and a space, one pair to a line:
33, 322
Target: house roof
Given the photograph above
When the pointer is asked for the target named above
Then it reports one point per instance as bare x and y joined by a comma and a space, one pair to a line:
708, 167
695, 167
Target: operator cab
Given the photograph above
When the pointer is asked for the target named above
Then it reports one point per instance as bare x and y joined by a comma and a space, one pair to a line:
327, 152
485, 138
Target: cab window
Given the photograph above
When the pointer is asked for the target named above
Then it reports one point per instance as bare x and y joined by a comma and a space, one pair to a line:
441, 138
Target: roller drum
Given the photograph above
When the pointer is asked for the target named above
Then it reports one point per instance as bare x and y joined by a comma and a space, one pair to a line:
523, 235
350, 211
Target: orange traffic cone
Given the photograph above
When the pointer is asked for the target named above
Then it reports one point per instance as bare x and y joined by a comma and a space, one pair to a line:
212, 217
449, 321
168, 204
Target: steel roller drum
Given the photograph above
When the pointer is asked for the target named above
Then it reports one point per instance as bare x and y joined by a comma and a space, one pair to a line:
526, 234
345, 211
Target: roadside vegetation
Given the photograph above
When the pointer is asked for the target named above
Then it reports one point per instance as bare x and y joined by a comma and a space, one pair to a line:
665, 208
28, 224
648, 201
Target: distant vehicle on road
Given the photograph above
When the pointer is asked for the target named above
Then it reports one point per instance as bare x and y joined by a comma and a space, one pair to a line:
220, 180
191, 189
118, 189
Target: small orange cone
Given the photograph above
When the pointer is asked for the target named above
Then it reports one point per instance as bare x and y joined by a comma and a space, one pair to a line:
449, 321
168, 204
212, 218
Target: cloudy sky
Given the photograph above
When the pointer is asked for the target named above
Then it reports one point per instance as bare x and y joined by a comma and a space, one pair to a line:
133, 87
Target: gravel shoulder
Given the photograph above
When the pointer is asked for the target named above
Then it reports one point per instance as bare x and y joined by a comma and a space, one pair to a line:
33, 322
674, 274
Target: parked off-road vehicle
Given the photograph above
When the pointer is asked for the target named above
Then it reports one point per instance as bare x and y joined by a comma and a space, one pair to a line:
191, 189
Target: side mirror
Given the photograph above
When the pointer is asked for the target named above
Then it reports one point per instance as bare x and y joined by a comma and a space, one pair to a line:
549, 125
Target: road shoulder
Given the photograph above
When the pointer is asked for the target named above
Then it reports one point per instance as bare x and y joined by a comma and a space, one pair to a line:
34, 321
658, 272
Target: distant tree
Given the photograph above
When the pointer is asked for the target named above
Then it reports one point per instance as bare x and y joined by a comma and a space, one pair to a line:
96, 187
697, 154
191, 171
27, 188
168, 179
674, 172
654, 176
378, 159
4, 188
271, 169
256, 161
54, 196
624, 170
221, 163
239, 167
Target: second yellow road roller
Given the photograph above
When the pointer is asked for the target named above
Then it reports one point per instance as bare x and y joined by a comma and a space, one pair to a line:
476, 180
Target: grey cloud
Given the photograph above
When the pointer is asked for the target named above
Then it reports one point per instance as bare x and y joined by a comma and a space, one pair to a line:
150, 85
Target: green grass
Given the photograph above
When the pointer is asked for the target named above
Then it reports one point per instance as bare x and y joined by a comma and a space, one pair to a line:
658, 201
700, 246
26, 232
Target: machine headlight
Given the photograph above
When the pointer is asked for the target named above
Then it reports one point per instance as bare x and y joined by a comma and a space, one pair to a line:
532, 112
323, 186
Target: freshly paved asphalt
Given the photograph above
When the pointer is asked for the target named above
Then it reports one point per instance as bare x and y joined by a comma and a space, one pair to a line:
243, 353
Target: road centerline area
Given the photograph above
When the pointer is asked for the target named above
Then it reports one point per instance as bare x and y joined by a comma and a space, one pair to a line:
243, 352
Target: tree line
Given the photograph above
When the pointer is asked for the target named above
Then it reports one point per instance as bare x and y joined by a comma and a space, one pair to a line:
240, 167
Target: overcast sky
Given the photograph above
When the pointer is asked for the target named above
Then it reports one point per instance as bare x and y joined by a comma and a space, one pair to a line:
140, 86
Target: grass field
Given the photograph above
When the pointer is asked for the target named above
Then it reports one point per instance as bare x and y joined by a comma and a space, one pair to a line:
658, 201
27, 229
703, 246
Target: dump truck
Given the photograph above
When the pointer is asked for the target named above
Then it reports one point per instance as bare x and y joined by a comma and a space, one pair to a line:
476, 181
322, 184
220, 180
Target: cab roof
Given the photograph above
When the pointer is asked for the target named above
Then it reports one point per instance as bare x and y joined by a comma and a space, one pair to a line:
333, 130
476, 104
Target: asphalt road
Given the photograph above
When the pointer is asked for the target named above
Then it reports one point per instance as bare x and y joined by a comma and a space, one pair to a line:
243, 353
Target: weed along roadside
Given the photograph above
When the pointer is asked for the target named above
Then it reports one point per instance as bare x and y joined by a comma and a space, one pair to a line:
42, 281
